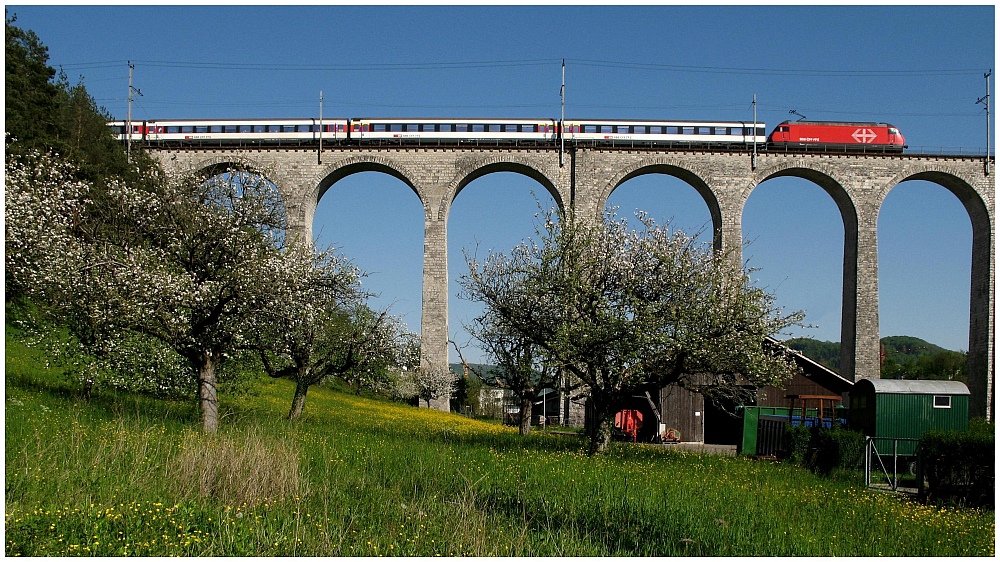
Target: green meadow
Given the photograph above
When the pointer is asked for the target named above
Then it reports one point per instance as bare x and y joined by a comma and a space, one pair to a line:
129, 475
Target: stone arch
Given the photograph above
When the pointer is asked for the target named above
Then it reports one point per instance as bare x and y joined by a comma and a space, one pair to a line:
222, 163
473, 169
670, 167
859, 285
849, 210
963, 188
356, 164
981, 322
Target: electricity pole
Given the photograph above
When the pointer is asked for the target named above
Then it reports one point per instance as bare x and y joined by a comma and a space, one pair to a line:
562, 116
753, 159
985, 100
128, 119
319, 155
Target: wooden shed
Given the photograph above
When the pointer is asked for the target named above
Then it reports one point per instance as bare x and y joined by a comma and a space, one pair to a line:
908, 408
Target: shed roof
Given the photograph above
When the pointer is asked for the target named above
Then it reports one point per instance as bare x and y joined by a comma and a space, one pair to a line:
894, 386
815, 371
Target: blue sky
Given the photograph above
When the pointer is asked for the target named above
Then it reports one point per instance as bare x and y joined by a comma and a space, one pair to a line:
920, 68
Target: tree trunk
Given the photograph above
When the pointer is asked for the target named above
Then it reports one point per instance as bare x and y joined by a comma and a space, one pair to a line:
525, 416
208, 392
299, 400
600, 433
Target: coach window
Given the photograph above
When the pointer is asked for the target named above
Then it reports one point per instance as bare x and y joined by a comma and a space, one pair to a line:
639, 129
478, 128
495, 128
720, 130
229, 128
461, 128
378, 127
215, 128
687, 130
447, 127
201, 128
410, 127
590, 128
607, 129
173, 129
244, 128
395, 127
427, 127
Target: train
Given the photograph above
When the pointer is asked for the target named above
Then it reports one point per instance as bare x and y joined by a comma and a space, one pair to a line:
729, 135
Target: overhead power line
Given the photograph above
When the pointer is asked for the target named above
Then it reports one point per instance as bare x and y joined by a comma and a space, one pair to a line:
771, 71
644, 66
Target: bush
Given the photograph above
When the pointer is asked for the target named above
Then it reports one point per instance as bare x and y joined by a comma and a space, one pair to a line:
959, 467
824, 449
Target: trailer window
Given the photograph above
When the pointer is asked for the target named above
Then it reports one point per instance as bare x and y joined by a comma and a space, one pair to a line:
942, 401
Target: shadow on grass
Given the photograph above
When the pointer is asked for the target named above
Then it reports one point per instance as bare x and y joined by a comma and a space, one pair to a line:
108, 403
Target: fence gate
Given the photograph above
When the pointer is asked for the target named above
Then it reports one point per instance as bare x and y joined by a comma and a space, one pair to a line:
884, 449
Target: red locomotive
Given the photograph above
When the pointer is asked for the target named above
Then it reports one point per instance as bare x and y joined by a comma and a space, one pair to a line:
874, 137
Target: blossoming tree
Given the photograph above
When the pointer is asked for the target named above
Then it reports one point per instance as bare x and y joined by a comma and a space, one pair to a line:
198, 268
322, 327
626, 310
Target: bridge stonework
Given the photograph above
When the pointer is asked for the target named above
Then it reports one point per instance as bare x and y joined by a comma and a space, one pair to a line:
858, 184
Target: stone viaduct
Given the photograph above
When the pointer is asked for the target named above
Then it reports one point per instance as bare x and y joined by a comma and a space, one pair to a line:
858, 183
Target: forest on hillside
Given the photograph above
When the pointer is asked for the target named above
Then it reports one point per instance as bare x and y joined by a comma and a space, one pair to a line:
903, 357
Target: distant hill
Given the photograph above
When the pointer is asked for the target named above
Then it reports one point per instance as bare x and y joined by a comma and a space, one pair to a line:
826, 353
906, 357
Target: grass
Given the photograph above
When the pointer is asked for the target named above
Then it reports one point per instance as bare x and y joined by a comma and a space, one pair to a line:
129, 475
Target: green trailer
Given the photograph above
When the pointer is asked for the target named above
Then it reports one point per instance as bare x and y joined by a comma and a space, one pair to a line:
889, 408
